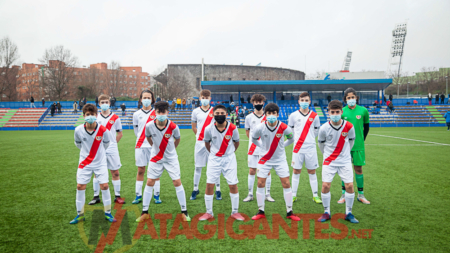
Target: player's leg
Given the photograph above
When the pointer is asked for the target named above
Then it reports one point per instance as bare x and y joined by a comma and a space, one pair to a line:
173, 168
346, 174
113, 162
282, 171
328, 173
102, 176
268, 185
297, 164
157, 190
96, 187
148, 193
141, 162
252, 163
359, 160
213, 171
80, 200
262, 172
200, 162
230, 174
312, 164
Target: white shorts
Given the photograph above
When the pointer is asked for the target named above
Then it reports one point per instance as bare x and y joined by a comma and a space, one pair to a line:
155, 170
345, 172
142, 156
281, 169
310, 160
201, 154
253, 161
225, 165
113, 162
84, 175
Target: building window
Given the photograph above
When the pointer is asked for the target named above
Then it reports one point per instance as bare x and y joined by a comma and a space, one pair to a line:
134, 70
198, 83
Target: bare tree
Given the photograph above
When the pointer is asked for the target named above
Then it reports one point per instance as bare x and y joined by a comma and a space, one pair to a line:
113, 79
9, 54
178, 86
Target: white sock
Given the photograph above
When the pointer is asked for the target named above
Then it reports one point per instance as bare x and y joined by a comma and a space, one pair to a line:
260, 198
295, 181
268, 183
96, 187
326, 199
209, 203
116, 184
81, 199
197, 175
313, 183
218, 185
251, 183
234, 202
157, 187
106, 201
181, 195
148, 194
139, 188
288, 198
349, 198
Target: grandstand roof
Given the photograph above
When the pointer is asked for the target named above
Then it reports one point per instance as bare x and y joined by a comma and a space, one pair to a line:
296, 85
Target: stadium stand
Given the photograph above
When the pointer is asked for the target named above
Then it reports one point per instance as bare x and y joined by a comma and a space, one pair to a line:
24, 117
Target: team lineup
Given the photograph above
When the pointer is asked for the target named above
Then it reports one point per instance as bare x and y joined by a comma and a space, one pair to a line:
341, 141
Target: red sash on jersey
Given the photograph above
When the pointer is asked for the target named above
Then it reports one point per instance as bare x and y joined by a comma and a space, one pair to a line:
305, 132
340, 145
142, 137
164, 142
253, 146
111, 121
226, 140
207, 122
94, 148
274, 144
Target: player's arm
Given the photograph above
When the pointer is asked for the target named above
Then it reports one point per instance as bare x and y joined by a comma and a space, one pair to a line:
77, 140
106, 139
135, 125
351, 137
176, 136
194, 122
321, 139
255, 137
289, 137
148, 133
316, 126
207, 138
119, 133
366, 123
235, 138
247, 127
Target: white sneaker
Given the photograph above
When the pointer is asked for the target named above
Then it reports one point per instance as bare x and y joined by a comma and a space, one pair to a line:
269, 198
248, 198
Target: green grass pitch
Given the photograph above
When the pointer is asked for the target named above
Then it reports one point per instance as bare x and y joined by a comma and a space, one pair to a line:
406, 179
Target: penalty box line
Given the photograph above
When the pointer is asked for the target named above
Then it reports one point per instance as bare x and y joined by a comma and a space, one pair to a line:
430, 142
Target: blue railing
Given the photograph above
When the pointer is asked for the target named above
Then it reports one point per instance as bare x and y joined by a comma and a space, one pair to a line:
43, 115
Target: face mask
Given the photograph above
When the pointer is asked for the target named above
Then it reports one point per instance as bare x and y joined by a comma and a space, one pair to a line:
90, 119
220, 118
205, 102
146, 102
271, 119
258, 107
304, 105
104, 107
335, 118
161, 118
351, 102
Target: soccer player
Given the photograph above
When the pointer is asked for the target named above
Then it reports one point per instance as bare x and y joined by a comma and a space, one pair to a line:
251, 121
359, 117
201, 118
143, 148
305, 124
92, 139
336, 139
164, 136
222, 160
112, 123
273, 156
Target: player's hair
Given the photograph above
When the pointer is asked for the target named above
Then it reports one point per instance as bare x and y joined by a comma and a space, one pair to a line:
304, 94
89, 108
271, 107
103, 97
350, 90
218, 107
161, 106
205, 93
335, 104
147, 91
258, 98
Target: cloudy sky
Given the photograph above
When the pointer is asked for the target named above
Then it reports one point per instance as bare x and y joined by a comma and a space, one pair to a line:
278, 33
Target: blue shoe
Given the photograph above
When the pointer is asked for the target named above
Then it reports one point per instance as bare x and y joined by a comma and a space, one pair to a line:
137, 200
77, 219
109, 217
324, 217
194, 194
157, 199
218, 195
350, 217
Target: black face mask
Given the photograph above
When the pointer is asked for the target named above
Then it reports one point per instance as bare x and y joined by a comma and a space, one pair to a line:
220, 118
258, 107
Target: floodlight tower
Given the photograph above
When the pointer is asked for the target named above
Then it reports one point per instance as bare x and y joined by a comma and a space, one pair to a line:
346, 63
397, 49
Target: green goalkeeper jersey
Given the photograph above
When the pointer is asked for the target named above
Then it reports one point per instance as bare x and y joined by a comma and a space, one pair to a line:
358, 117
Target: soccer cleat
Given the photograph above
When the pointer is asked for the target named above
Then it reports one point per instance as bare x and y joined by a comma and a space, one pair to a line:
363, 200
350, 217
324, 217
269, 198
109, 217
248, 198
342, 199
77, 219
206, 216
259, 215
291, 216
119, 200
157, 199
185, 216
218, 195
294, 199
94, 201
137, 200
194, 194
144, 217
317, 200
237, 216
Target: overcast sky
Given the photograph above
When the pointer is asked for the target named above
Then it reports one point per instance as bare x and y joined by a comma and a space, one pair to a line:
278, 33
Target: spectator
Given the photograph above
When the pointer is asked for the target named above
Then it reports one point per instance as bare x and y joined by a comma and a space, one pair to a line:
183, 102
329, 98
388, 102
158, 99
96, 101
384, 99
172, 106
32, 102
390, 97
198, 102
391, 107
52, 109
123, 108
375, 103
448, 98
442, 98
84, 101
178, 103
59, 107
242, 100
75, 106
248, 98
189, 103
447, 119
139, 105
80, 104
429, 98
437, 98
282, 96
43, 102
231, 99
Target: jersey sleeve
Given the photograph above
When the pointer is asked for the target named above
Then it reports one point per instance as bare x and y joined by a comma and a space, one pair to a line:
316, 124
257, 132
77, 139
235, 135
176, 133
366, 116
194, 116
118, 125
322, 135
351, 133
288, 133
135, 121
148, 131
291, 121
247, 122
207, 137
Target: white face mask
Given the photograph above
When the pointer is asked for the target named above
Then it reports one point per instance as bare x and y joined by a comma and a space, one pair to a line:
146, 102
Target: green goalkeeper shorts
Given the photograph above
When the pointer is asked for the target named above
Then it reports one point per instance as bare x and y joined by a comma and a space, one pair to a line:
358, 157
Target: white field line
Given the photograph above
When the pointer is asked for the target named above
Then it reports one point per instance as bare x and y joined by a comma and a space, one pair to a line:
430, 142
431, 145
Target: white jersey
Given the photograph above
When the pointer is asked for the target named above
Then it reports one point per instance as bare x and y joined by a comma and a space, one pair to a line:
306, 127
251, 121
163, 149
140, 119
221, 141
203, 119
114, 125
92, 146
336, 140
272, 154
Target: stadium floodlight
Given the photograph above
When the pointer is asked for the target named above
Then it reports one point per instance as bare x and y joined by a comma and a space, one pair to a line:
397, 50
407, 90
446, 86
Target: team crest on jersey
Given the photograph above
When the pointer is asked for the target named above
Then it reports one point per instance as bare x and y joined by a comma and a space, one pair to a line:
167, 136
311, 119
210, 115
358, 116
278, 135
227, 137
111, 122
98, 138
152, 116
344, 134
